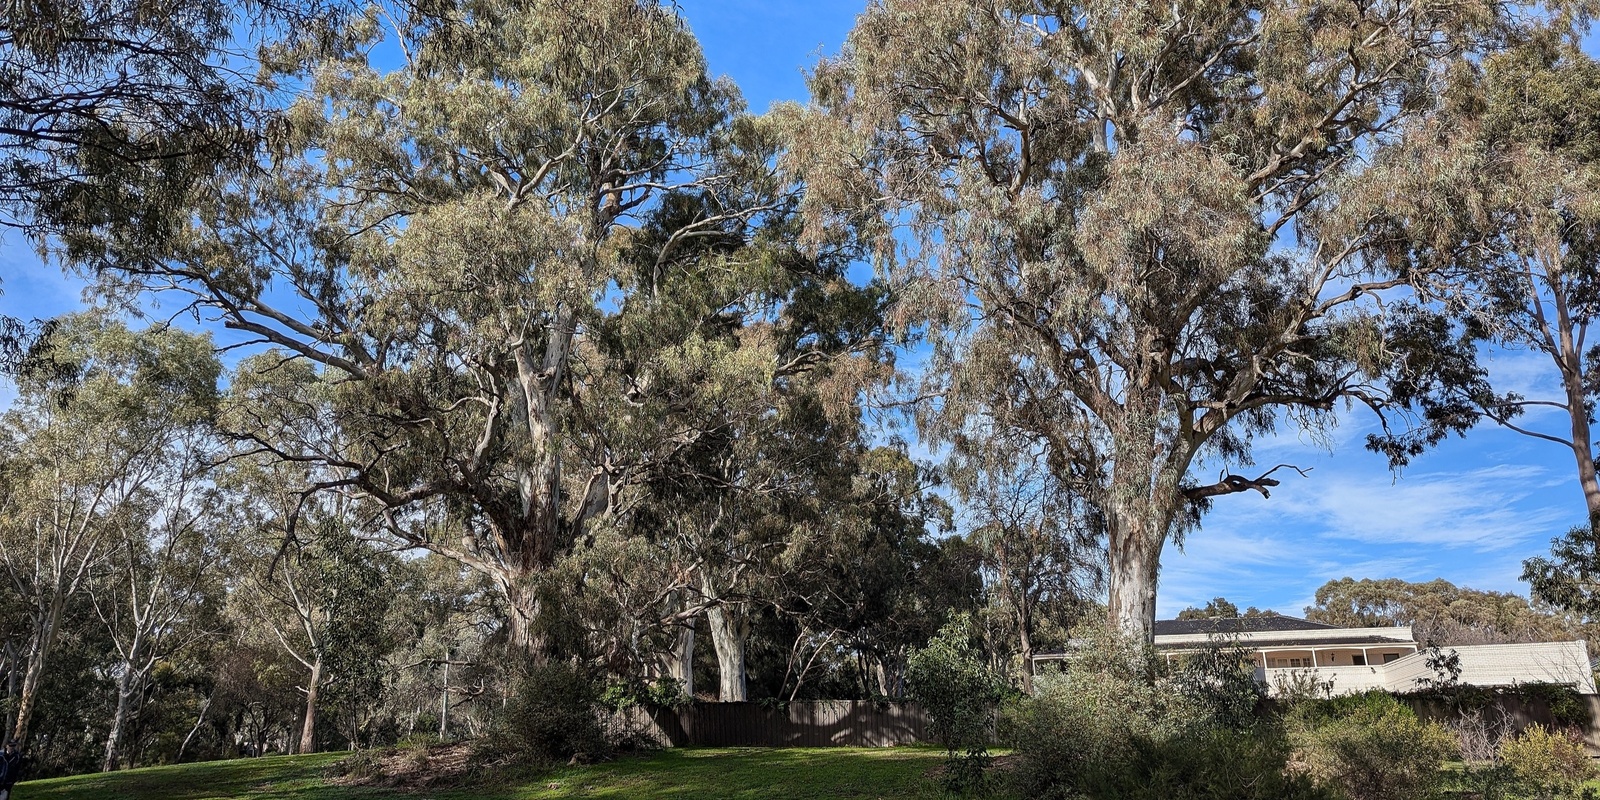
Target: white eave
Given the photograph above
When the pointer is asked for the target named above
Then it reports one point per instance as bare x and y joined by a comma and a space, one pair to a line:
1400, 635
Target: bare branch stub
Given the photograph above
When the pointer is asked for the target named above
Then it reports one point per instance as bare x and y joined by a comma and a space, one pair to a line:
1234, 484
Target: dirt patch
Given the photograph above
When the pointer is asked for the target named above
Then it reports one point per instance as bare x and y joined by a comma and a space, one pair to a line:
998, 765
410, 768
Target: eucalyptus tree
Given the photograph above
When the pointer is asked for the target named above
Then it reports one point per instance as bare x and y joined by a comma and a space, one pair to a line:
753, 356
110, 109
308, 584
743, 511
878, 578
1081, 202
1518, 216
88, 440
1439, 612
1567, 579
160, 583
1040, 546
433, 248
1221, 608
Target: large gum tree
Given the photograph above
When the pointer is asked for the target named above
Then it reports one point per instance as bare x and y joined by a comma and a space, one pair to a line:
1137, 235
430, 250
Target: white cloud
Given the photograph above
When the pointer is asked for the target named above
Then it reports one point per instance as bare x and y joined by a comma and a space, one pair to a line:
1479, 508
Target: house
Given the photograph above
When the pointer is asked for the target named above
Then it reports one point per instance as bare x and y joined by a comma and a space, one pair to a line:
1293, 651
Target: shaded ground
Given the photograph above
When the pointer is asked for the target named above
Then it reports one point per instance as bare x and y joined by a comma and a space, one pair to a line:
708, 773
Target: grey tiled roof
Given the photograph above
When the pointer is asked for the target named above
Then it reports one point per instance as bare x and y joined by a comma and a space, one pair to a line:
1226, 625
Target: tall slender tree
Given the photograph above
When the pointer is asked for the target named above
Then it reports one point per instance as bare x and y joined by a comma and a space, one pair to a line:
87, 441
1518, 218
160, 576
1040, 546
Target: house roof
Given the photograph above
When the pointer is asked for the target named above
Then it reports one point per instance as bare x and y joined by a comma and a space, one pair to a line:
1317, 643
1227, 625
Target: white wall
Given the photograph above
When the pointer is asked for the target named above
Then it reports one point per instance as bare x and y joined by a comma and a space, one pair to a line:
1545, 662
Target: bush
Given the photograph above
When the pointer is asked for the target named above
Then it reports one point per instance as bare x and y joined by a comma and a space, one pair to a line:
665, 692
360, 765
554, 716
1118, 725
951, 681
1566, 704
1481, 733
1370, 747
1548, 764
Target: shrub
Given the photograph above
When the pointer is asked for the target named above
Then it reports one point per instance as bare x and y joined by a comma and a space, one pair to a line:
1119, 725
1219, 681
665, 692
1548, 764
554, 716
950, 679
1370, 747
1481, 732
360, 765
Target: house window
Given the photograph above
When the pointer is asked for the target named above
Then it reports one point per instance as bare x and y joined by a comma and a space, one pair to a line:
1387, 657
1283, 663
1359, 661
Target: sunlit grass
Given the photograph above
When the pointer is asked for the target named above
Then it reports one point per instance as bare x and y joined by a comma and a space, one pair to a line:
708, 773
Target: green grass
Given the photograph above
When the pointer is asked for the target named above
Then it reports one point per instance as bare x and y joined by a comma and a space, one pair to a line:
710, 773
273, 778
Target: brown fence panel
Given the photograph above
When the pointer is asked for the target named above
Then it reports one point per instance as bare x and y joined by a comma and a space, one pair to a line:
824, 723
1520, 712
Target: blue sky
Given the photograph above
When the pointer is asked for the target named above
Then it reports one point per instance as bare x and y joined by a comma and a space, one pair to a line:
1469, 511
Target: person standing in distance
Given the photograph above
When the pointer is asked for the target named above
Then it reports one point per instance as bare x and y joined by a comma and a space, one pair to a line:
10, 768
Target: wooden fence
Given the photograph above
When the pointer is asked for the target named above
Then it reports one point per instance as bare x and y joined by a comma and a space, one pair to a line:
1519, 712
823, 723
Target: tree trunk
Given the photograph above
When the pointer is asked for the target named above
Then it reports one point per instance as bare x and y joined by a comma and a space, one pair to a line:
444, 700
13, 664
308, 731
1586, 477
30, 695
522, 616
1135, 562
1583, 448
39, 647
729, 629
1025, 639
126, 684
680, 661
198, 721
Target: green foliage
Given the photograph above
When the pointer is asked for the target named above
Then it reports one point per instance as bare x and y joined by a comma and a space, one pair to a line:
111, 111
1438, 612
960, 692
1567, 579
1568, 707
664, 692
1220, 607
1219, 681
1119, 724
1369, 746
553, 716
1506, 197
1548, 765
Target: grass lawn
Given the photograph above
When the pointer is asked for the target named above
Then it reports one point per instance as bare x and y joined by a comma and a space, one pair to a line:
743, 773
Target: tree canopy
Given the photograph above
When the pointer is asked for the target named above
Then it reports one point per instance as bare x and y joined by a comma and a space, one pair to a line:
1088, 197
